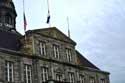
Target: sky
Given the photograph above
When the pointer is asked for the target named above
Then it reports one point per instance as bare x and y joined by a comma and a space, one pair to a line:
98, 27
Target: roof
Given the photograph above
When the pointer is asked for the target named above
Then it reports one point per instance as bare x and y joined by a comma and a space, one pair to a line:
81, 60
9, 40
54, 33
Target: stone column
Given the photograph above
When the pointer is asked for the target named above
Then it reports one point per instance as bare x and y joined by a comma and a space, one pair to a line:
35, 73
17, 70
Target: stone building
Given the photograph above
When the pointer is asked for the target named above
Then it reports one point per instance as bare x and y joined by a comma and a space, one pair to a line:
46, 56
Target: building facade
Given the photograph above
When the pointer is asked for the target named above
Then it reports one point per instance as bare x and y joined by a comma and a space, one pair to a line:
45, 56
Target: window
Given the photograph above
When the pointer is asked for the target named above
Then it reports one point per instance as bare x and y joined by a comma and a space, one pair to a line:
59, 77
102, 80
92, 80
56, 51
42, 48
68, 54
9, 71
71, 77
81, 79
8, 19
27, 74
44, 74
0, 19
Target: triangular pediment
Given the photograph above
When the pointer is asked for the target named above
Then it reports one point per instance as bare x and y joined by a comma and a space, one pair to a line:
55, 33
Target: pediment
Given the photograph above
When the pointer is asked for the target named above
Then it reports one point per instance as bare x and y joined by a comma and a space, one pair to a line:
54, 33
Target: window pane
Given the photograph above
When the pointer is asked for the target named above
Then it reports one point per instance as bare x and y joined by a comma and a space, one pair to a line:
44, 74
27, 74
42, 48
68, 54
71, 77
102, 80
59, 77
81, 78
56, 51
9, 71
92, 80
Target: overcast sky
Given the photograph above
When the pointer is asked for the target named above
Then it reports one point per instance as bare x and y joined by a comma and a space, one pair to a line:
98, 27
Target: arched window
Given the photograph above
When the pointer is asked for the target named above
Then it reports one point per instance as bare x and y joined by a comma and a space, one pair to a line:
0, 19
8, 19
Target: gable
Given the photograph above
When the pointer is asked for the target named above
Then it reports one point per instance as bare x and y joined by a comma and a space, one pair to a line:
53, 33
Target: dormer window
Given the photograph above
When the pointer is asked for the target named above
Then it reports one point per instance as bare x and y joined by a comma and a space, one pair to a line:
68, 54
56, 51
42, 48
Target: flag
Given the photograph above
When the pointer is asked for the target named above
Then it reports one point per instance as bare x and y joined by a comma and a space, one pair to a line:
48, 18
24, 21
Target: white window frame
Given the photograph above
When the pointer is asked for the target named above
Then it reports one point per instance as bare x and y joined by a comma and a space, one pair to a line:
68, 54
27, 73
81, 78
44, 74
92, 80
71, 77
9, 71
42, 48
56, 51
102, 80
59, 77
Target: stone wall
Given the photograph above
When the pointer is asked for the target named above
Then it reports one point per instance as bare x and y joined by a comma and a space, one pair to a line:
54, 67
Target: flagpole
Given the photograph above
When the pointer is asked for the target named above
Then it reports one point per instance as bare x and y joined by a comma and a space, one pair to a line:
68, 27
48, 4
48, 17
24, 22
23, 7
